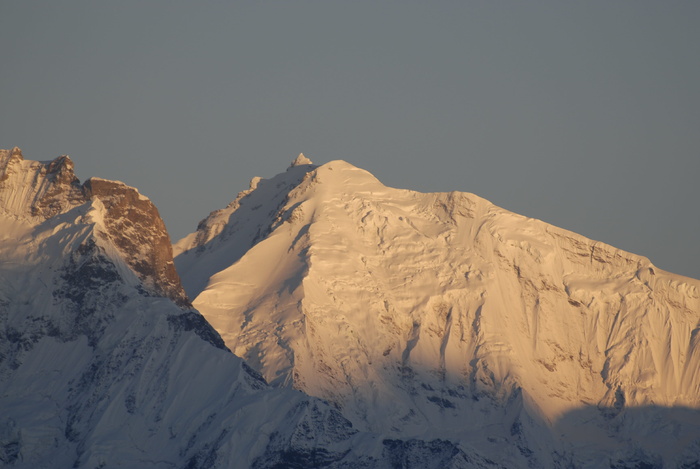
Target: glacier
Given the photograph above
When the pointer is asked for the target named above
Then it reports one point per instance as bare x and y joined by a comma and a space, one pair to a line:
442, 317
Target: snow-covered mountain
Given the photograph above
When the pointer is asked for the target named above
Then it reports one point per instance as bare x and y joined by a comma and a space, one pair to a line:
104, 364
442, 316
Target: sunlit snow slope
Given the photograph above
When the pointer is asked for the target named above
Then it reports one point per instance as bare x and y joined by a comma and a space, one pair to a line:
103, 364
443, 316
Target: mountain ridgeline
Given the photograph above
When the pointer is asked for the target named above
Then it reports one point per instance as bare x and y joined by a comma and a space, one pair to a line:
442, 316
103, 362
370, 327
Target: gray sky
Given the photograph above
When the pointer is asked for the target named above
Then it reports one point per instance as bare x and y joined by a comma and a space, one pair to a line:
583, 114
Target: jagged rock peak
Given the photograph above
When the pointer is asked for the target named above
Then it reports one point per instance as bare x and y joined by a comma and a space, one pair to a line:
300, 160
15, 153
61, 171
37, 191
134, 225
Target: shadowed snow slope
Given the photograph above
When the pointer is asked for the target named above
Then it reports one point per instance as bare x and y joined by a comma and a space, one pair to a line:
443, 316
103, 363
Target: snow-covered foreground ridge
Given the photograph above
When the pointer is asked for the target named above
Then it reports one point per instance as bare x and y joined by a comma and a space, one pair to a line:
103, 363
443, 316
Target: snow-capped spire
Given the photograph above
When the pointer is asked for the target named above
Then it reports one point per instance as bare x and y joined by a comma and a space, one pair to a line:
300, 160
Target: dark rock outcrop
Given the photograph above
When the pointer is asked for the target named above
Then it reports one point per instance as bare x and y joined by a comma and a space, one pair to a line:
137, 230
42, 190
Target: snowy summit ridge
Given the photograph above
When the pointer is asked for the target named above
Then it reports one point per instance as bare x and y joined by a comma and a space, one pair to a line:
442, 316
103, 363
439, 330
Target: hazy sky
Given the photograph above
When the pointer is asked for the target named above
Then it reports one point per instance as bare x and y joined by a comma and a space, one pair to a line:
583, 114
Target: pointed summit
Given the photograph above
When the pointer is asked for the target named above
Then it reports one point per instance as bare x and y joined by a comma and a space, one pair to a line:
300, 160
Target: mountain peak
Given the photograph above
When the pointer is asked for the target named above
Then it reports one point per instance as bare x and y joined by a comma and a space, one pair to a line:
415, 312
135, 227
36, 191
300, 160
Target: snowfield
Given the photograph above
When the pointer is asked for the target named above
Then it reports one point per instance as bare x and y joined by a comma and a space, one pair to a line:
104, 364
442, 316
370, 327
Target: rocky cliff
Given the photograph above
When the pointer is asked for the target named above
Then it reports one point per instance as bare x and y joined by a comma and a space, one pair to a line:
37, 191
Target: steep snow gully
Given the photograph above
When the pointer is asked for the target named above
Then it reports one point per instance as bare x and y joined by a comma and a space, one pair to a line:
377, 328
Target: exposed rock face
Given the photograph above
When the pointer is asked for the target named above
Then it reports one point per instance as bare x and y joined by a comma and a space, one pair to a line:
39, 191
35, 189
62, 187
136, 228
